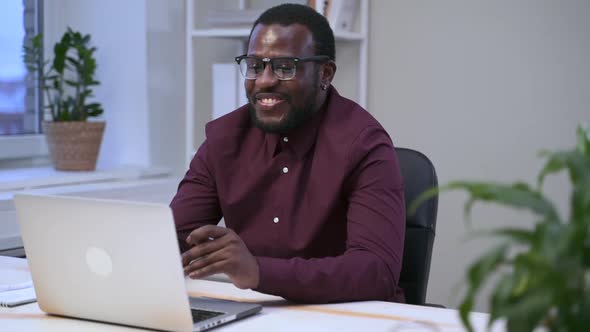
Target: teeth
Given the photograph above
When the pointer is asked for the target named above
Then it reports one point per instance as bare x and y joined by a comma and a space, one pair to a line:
268, 101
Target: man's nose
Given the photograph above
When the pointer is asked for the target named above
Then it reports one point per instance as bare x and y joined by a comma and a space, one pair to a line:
267, 77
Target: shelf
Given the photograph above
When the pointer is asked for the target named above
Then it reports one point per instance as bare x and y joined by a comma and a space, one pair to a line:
348, 36
222, 33
243, 33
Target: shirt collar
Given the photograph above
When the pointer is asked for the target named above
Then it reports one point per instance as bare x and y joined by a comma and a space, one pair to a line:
300, 139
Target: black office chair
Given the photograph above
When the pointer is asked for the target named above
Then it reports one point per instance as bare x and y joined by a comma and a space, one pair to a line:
418, 174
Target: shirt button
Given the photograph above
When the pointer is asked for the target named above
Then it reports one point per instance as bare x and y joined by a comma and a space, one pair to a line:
285, 170
276, 220
285, 139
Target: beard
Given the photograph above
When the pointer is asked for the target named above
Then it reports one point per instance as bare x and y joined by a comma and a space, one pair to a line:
296, 117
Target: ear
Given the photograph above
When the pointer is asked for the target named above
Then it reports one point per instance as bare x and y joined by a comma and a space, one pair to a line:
328, 70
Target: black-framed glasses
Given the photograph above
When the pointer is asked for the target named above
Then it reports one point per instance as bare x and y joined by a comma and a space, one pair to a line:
284, 68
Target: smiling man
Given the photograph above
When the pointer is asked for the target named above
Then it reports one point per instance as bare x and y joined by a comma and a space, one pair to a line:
307, 181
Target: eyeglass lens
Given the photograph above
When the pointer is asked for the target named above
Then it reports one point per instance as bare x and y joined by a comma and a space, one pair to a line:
283, 68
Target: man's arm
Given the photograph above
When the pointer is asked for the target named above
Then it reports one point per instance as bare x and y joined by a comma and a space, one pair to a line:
369, 268
196, 202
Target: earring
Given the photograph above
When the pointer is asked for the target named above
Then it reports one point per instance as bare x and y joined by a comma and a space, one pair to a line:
324, 87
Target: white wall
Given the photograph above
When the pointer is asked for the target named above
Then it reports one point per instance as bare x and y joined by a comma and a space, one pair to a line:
118, 30
480, 87
166, 83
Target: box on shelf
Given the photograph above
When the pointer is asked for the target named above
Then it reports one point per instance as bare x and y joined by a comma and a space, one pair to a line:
221, 18
339, 13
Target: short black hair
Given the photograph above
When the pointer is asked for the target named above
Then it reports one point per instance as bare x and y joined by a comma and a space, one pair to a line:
289, 13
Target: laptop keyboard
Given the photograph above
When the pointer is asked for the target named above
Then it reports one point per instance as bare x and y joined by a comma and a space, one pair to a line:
201, 315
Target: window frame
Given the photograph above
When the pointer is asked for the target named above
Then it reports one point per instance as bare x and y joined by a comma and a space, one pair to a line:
27, 145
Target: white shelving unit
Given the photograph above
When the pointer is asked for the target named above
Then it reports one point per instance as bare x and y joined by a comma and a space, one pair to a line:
357, 39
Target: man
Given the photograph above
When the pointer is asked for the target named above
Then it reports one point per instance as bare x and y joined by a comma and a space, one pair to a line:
307, 181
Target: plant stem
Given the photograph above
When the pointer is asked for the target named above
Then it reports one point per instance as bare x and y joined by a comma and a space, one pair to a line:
48, 96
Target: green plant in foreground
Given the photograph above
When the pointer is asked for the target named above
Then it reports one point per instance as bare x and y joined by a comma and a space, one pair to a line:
547, 280
67, 80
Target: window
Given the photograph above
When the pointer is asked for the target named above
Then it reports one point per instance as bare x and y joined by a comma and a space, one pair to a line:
20, 97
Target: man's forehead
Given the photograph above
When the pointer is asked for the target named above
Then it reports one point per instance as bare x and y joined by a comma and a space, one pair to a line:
270, 36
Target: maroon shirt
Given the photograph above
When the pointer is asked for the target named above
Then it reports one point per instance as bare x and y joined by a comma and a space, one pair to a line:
322, 208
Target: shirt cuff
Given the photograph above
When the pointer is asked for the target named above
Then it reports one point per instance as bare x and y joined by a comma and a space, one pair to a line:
272, 275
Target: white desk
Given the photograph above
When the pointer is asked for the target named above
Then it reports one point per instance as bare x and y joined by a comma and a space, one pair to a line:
277, 315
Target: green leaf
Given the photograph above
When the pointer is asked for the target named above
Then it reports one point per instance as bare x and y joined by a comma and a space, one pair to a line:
465, 309
553, 165
93, 106
583, 141
94, 109
581, 317
467, 209
59, 61
527, 266
517, 235
477, 274
423, 197
500, 296
71, 83
94, 113
37, 41
578, 166
586, 252
481, 269
576, 163
518, 195
528, 311
73, 61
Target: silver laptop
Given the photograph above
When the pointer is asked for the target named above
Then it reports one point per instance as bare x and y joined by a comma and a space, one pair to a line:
115, 262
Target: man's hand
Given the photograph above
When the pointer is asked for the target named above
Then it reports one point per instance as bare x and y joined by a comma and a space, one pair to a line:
220, 250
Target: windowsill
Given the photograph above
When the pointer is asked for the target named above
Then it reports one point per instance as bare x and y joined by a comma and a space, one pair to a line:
14, 180
23, 146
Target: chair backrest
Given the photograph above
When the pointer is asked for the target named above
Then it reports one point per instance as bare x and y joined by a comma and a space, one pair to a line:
419, 174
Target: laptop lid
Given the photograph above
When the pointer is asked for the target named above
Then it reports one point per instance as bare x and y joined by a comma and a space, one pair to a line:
105, 260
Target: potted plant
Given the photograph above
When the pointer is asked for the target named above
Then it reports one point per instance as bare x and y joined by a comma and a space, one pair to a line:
544, 272
67, 81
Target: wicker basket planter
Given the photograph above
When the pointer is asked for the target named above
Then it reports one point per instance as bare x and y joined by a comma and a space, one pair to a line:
74, 145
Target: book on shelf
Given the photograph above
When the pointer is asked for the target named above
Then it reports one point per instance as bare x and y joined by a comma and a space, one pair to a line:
339, 13
16, 286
